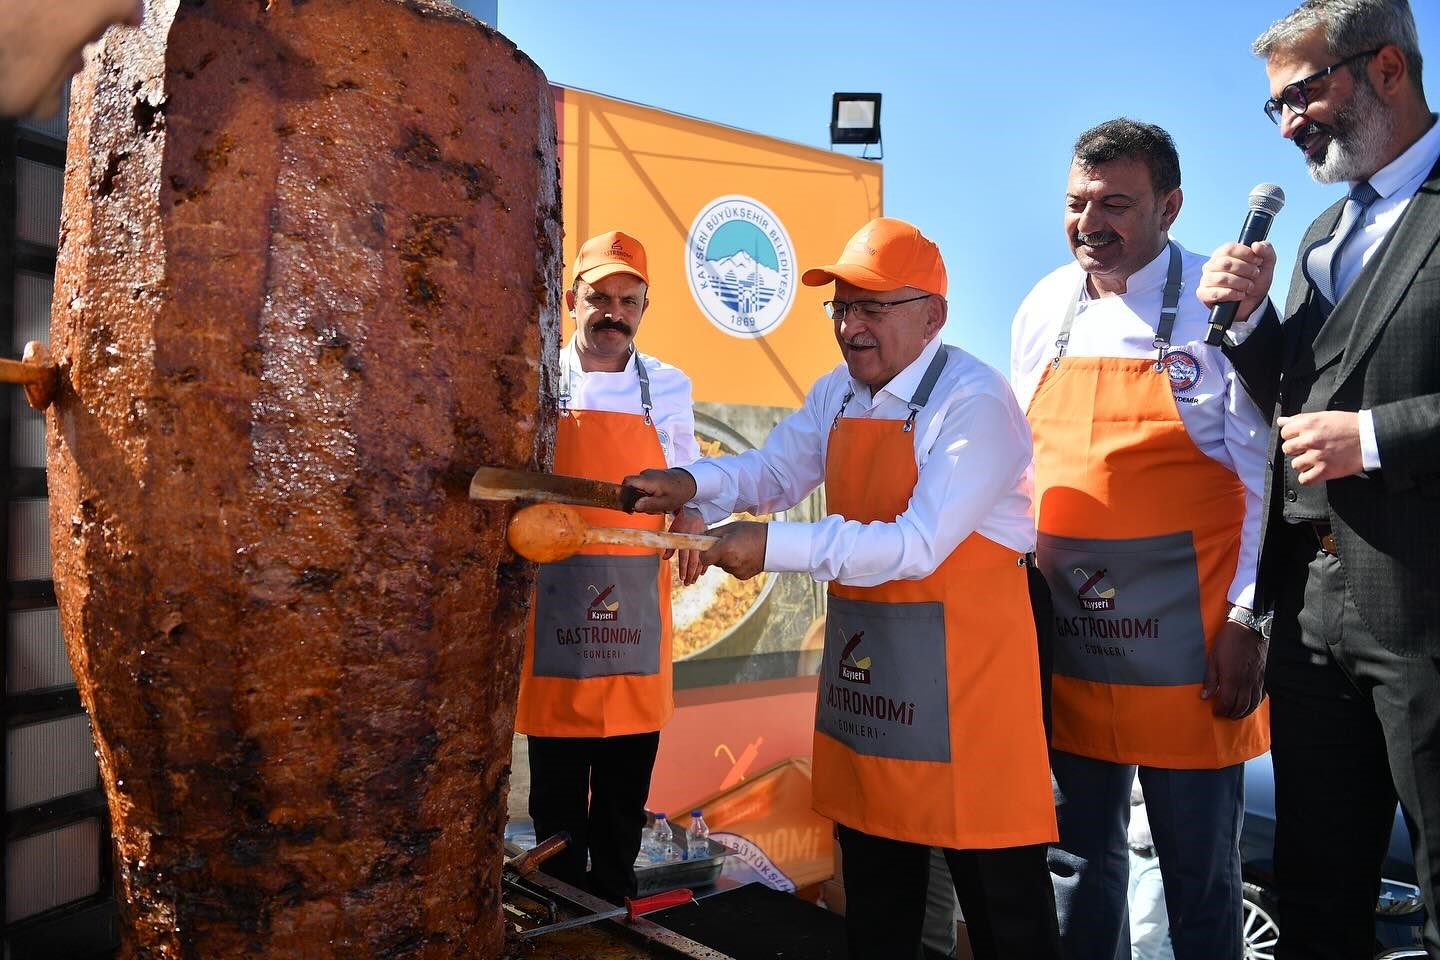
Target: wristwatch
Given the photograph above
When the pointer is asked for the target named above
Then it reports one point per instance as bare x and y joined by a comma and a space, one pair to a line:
1248, 618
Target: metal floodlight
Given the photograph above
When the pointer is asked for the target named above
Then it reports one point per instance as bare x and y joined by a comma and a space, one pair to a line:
855, 118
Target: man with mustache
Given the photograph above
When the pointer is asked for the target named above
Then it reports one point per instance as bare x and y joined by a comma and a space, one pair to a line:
41, 44
928, 727
595, 686
1149, 462
1349, 560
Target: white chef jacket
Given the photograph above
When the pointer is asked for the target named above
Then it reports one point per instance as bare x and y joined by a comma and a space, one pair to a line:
1217, 413
671, 407
972, 450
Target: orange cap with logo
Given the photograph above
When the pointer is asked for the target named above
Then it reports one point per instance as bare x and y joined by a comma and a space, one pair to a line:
608, 254
886, 254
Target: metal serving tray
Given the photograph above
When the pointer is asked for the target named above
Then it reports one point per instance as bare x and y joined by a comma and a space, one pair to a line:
668, 874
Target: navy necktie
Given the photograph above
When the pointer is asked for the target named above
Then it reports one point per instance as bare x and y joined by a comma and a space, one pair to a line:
1324, 257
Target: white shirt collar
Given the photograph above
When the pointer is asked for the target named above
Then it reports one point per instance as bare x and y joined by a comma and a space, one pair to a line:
570, 360
1417, 160
903, 384
1151, 276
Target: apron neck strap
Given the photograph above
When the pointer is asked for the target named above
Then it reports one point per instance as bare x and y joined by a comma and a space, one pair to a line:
564, 398
644, 375
917, 400
1169, 309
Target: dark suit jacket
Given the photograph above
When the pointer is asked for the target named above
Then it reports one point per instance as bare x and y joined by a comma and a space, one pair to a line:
1385, 336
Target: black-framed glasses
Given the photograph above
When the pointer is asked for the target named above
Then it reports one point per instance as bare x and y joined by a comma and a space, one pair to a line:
866, 309
1293, 94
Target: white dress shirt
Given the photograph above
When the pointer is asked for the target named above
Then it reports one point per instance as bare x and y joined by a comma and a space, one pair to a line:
671, 407
972, 450
1218, 414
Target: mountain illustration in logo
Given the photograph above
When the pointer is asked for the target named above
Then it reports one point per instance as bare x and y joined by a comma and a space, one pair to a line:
740, 266
1095, 592
742, 283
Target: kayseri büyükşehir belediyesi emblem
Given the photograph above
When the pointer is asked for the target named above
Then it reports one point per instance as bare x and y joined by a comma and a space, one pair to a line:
741, 266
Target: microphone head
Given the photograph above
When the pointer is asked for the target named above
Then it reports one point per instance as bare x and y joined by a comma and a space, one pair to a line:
1268, 198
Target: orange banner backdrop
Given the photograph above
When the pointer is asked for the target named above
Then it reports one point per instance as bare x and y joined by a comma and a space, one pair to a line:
730, 220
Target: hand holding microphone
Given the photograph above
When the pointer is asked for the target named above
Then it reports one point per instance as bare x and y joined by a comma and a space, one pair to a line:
1238, 277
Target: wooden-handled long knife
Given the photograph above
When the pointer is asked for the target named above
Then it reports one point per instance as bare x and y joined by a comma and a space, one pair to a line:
499, 483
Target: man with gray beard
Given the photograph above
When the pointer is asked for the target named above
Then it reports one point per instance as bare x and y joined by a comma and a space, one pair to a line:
1351, 549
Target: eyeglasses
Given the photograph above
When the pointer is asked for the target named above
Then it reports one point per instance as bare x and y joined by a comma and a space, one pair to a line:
1293, 95
866, 309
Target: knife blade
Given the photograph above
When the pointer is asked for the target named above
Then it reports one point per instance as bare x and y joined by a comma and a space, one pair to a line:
500, 483
632, 911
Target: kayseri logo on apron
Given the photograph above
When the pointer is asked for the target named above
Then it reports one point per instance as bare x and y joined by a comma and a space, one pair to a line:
1095, 592
1160, 638
855, 671
885, 686
601, 608
581, 628
741, 266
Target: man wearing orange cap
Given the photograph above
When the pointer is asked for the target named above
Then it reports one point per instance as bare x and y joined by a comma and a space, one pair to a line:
595, 686
1149, 464
928, 729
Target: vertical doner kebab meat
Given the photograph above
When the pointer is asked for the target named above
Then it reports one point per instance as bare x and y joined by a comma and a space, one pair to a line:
307, 282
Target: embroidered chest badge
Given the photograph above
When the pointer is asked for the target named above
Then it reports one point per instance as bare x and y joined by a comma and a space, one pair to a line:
1183, 369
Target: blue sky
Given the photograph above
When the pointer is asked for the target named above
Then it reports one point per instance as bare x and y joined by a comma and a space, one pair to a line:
982, 101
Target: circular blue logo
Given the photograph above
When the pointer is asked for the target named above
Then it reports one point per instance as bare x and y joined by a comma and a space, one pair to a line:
1184, 369
741, 266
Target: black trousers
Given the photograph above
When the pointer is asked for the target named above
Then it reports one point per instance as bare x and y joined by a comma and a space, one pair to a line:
1042, 605
1353, 726
1005, 894
594, 788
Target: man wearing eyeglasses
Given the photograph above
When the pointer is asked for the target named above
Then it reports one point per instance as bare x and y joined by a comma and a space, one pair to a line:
928, 726
1149, 466
1351, 546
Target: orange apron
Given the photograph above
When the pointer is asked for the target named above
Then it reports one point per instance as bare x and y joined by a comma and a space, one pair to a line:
1139, 535
598, 638
928, 726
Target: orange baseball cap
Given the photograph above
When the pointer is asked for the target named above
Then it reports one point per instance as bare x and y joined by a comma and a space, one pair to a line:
885, 254
608, 254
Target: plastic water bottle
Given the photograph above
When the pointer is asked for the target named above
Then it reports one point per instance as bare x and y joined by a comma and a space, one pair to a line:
664, 839
697, 838
649, 853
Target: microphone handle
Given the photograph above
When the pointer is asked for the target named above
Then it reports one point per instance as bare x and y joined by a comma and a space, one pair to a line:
1256, 228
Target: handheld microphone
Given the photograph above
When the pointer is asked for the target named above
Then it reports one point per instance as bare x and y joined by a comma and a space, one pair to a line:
1265, 201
